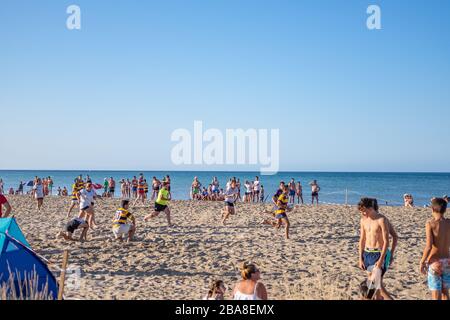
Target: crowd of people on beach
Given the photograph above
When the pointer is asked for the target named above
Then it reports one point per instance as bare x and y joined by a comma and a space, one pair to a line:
377, 243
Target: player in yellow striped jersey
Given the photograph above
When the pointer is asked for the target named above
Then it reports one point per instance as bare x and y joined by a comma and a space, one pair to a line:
281, 210
74, 199
120, 222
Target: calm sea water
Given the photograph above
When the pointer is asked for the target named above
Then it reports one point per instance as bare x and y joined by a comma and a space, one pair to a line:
387, 187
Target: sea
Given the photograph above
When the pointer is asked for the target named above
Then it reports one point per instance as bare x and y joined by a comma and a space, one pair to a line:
336, 187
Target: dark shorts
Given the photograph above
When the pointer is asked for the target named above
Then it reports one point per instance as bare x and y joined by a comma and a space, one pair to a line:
281, 216
229, 204
134, 189
315, 194
292, 193
85, 208
73, 225
370, 258
160, 207
216, 191
112, 190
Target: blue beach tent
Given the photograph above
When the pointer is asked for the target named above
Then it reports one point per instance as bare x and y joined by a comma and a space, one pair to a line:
18, 260
9, 226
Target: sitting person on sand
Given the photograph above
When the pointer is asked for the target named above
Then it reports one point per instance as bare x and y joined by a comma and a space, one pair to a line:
436, 255
221, 196
408, 201
374, 240
250, 288
162, 203
281, 212
216, 291
70, 228
205, 196
120, 225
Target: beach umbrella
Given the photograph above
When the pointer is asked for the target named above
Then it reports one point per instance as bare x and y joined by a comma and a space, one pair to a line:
97, 186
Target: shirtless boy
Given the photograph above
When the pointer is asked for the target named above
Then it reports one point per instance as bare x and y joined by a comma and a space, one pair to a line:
436, 256
374, 239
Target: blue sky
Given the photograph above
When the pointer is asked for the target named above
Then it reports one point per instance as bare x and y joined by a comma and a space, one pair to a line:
109, 95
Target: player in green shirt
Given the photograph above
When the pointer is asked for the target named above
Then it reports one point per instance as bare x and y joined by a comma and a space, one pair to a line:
161, 203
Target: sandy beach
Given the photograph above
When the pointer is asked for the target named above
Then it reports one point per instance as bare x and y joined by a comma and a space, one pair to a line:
318, 262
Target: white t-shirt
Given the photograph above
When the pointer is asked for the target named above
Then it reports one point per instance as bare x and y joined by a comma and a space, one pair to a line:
230, 194
86, 198
38, 191
257, 185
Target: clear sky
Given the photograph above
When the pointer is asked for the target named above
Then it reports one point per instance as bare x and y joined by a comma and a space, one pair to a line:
108, 96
